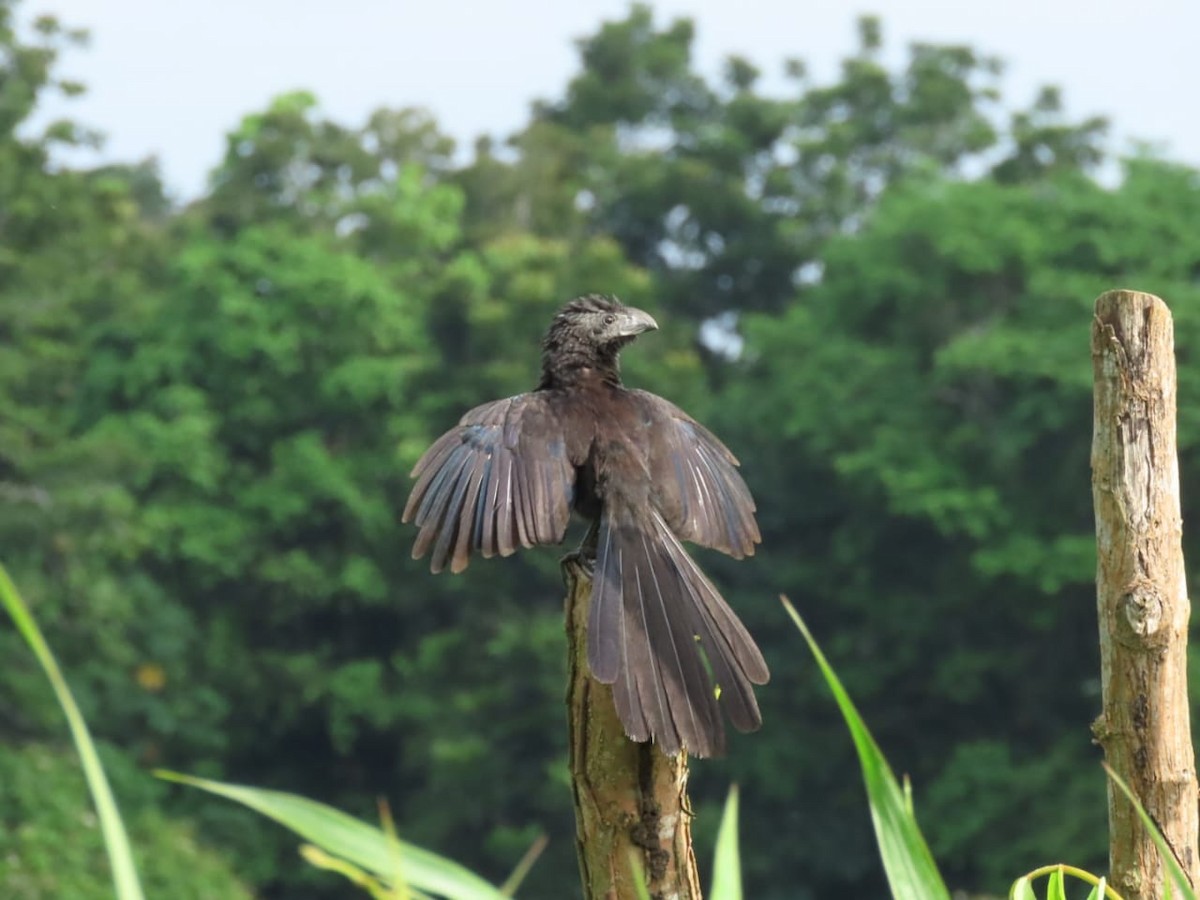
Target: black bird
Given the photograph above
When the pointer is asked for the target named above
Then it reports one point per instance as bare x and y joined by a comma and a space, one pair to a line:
647, 476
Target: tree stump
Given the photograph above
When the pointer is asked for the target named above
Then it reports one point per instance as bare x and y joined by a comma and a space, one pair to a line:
1141, 591
632, 818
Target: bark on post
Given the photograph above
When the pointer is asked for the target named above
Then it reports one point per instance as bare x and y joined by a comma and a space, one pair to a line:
1141, 590
631, 804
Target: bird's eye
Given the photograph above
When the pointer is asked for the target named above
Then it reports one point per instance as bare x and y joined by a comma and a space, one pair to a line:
609, 319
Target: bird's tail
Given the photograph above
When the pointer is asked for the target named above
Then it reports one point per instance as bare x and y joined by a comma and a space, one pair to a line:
655, 620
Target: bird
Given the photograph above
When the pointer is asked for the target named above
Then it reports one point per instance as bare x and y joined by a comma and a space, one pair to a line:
647, 477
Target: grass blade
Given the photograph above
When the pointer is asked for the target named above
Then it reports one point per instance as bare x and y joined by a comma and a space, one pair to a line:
727, 865
509, 888
116, 841
911, 872
402, 891
346, 837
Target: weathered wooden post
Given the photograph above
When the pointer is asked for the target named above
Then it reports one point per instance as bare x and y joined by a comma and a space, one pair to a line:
1141, 591
631, 807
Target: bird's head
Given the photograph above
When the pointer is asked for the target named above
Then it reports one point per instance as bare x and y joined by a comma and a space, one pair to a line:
601, 321
588, 333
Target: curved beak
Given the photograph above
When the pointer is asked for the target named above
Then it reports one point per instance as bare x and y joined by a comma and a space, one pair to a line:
634, 321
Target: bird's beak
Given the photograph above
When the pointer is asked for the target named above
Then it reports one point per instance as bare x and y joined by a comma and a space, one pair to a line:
634, 321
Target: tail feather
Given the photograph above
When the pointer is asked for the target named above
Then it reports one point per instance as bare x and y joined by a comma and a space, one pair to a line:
655, 618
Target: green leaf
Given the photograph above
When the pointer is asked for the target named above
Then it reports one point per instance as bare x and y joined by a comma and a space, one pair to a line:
116, 841
344, 836
1055, 889
1056, 875
727, 866
911, 872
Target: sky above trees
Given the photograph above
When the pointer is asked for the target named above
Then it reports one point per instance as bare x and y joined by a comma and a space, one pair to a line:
170, 79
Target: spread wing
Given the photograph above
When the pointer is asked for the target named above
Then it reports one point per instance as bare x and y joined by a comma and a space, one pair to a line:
697, 487
498, 480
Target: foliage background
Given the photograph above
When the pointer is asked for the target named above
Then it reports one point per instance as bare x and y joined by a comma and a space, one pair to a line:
877, 289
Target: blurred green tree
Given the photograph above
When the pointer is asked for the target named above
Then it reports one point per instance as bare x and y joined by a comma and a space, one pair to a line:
80, 255
926, 414
78, 260
50, 845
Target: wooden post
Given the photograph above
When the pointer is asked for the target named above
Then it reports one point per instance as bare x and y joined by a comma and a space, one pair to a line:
1141, 591
631, 806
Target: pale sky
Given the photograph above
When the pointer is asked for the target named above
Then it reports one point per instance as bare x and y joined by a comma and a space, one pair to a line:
170, 79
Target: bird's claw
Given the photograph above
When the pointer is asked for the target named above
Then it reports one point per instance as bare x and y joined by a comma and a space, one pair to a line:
582, 559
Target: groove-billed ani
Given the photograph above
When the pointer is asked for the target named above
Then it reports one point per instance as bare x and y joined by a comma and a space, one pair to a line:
647, 476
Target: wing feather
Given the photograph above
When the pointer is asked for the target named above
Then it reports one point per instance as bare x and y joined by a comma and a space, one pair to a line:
498, 480
697, 488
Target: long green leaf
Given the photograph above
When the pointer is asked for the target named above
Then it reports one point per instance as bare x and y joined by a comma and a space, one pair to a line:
344, 836
911, 871
727, 866
116, 841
